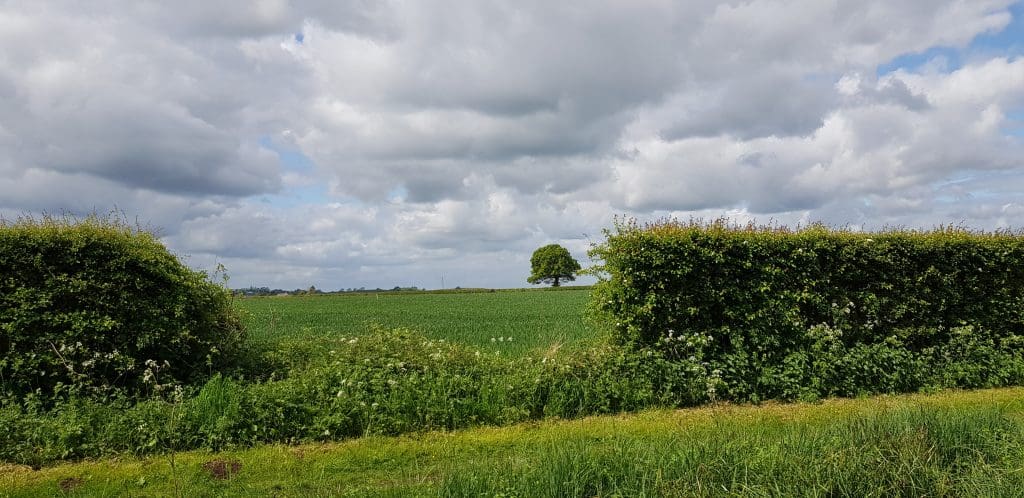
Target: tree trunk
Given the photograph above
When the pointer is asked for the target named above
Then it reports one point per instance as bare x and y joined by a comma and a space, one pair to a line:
556, 282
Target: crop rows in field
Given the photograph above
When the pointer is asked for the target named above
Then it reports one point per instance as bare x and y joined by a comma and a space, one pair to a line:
511, 322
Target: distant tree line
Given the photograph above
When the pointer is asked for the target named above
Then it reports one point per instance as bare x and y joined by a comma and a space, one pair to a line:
312, 290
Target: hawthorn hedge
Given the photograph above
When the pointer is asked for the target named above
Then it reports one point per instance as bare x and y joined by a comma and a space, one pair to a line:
769, 312
96, 306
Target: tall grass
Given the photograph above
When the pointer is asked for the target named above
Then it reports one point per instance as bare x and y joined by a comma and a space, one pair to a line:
913, 451
948, 444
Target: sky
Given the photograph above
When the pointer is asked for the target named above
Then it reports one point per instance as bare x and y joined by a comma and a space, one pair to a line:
354, 143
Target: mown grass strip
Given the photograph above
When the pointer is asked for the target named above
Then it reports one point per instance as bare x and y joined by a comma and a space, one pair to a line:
944, 444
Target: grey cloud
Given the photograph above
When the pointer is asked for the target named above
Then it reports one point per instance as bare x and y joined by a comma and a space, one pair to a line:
43, 191
781, 104
140, 144
896, 91
543, 175
130, 106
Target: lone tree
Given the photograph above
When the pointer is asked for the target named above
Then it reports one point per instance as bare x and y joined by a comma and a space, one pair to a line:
552, 263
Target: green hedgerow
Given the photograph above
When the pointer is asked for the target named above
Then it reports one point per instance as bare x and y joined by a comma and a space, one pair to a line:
97, 306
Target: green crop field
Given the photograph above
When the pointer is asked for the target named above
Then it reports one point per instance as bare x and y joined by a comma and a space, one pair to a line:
511, 321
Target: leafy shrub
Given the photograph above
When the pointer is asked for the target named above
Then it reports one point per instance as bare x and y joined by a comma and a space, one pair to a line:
818, 312
98, 306
387, 382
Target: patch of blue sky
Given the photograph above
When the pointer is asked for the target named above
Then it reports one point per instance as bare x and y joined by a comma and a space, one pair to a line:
299, 38
949, 60
1015, 123
977, 186
295, 196
1007, 42
398, 194
291, 159
294, 161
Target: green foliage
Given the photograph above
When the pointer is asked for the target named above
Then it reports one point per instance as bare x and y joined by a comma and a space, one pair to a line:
819, 312
97, 306
552, 264
386, 382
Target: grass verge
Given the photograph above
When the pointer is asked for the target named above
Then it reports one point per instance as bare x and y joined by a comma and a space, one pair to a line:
954, 443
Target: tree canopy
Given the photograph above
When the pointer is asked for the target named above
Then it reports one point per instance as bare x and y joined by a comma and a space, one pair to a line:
552, 264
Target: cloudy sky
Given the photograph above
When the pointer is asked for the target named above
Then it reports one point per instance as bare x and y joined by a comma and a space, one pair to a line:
359, 143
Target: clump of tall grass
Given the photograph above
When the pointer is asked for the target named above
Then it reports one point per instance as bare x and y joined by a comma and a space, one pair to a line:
920, 451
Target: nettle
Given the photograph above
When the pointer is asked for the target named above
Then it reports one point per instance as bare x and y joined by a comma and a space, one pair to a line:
90, 305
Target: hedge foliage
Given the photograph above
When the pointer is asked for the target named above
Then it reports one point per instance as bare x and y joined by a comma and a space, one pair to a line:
780, 313
96, 306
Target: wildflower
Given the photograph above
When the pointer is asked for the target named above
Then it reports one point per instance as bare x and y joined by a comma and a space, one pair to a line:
510, 339
492, 339
340, 392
